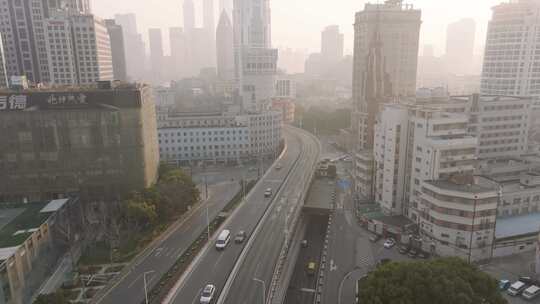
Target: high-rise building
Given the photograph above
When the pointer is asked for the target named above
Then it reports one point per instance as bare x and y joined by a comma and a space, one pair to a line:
156, 53
385, 61
511, 66
179, 46
189, 15
92, 49
134, 46
209, 25
63, 69
331, 45
460, 37
226, 5
99, 143
255, 59
118, 50
3, 74
225, 48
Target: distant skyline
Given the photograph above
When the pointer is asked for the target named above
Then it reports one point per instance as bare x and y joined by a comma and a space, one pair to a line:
298, 24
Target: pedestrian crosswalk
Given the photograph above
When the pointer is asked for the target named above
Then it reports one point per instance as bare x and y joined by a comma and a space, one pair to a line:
364, 257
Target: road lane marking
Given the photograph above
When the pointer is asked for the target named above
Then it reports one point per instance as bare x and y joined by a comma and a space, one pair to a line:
307, 290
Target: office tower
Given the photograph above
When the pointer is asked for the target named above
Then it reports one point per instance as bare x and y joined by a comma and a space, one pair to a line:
156, 53
331, 45
385, 61
226, 5
118, 51
98, 143
92, 47
133, 44
128, 22
3, 73
255, 59
460, 46
510, 60
189, 15
61, 53
24, 41
225, 48
178, 43
209, 25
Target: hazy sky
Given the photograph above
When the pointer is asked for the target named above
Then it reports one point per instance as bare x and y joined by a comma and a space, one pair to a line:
298, 23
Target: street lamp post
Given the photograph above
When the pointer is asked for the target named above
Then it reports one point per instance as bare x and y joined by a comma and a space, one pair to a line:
145, 288
264, 289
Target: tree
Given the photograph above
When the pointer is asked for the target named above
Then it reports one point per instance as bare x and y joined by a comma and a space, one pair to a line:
441, 281
176, 192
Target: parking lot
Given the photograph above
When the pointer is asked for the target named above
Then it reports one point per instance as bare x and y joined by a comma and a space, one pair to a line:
511, 268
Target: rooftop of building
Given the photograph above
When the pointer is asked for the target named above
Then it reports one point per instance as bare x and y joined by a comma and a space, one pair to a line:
488, 98
320, 195
18, 221
463, 183
517, 225
101, 86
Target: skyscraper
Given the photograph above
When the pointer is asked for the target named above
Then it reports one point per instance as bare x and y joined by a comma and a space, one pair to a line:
134, 45
460, 46
511, 65
331, 45
189, 15
224, 47
385, 60
117, 49
255, 59
156, 53
209, 25
226, 5
178, 43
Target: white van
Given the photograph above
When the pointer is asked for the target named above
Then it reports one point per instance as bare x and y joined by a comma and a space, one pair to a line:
516, 288
223, 239
531, 292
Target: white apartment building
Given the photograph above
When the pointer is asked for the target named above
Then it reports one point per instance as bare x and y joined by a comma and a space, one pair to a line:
187, 137
439, 147
458, 217
390, 155
511, 59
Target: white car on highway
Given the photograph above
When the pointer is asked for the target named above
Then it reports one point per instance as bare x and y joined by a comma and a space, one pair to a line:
389, 243
207, 294
268, 192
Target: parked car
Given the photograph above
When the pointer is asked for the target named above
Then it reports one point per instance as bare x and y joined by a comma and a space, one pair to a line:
311, 268
240, 237
516, 288
504, 284
374, 238
532, 292
389, 243
413, 253
422, 255
403, 249
207, 294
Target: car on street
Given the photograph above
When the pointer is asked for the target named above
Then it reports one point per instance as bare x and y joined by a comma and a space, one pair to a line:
223, 239
240, 237
207, 294
517, 288
403, 249
532, 292
251, 169
413, 253
422, 255
504, 284
304, 243
268, 192
278, 167
389, 243
374, 238
311, 268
